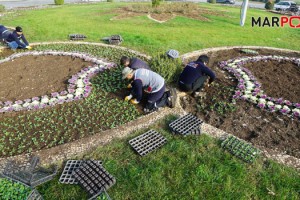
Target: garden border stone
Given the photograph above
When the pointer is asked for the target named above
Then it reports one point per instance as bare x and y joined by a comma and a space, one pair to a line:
85, 145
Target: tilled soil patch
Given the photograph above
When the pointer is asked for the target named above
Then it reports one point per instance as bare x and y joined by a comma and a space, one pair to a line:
31, 76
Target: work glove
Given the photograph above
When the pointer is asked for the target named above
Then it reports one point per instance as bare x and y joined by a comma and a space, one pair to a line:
129, 86
28, 47
134, 101
127, 98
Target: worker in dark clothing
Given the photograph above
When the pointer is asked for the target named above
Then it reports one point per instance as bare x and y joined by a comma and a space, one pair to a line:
153, 85
133, 63
4, 33
195, 74
17, 39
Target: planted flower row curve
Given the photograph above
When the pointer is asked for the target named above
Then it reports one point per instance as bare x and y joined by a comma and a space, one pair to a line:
249, 88
79, 84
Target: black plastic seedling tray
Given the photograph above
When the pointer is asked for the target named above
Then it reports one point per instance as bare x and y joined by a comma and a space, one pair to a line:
29, 174
186, 125
71, 165
77, 37
93, 177
34, 195
147, 142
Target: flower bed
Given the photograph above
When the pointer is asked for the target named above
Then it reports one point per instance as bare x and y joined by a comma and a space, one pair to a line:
62, 119
79, 84
249, 88
221, 105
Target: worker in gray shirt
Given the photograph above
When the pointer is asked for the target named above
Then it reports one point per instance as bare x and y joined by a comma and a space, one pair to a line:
150, 83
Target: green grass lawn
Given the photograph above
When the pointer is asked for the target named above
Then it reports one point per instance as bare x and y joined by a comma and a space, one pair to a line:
193, 167
186, 167
142, 34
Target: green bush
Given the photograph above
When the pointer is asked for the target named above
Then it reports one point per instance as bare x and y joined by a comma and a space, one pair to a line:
59, 2
111, 1
168, 68
2, 8
269, 5
10, 190
155, 3
212, 1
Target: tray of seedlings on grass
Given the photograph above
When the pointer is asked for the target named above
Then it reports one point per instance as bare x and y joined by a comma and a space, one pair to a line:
186, 125
240, 149
71, 165
249, 51
93, 177
147, 142
12, 190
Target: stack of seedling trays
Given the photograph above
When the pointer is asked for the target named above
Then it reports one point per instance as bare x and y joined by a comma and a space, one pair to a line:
147, 142
29, 174
77, 36
90, 174
94, 178
240, 149
186, 125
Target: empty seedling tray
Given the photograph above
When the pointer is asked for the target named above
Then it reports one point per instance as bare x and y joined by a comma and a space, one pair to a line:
186, 125
71, 165
147, 142
77, 36
34, 195
93, 177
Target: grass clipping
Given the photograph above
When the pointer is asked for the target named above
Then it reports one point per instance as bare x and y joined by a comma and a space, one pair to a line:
167, 11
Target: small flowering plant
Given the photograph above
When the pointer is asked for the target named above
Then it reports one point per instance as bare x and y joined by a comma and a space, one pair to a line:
249, 89
79, 84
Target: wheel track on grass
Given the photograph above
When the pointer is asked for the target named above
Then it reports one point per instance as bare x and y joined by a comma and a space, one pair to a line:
83, 146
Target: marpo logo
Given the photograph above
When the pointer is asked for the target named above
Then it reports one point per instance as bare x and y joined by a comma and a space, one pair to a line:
292, 22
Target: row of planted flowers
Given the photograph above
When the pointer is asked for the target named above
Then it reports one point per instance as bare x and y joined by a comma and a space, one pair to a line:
79, 84
249, 88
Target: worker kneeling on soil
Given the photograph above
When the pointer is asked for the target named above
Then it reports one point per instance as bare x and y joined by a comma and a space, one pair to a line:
134, 63
17, 40
4, 33
153, 85
195, 74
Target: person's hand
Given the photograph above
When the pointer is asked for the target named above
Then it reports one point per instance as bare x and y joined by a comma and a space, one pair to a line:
28, 47
134, 101
127, 98
129, 86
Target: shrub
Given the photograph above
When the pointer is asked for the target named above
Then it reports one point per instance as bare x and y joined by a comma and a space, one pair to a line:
2, 8
155, 3
168, 68
269, 5
212, 1
111, 1
59, 2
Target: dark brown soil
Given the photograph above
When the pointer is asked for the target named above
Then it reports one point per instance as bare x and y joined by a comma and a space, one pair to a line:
31, 76
247, 121
167, 11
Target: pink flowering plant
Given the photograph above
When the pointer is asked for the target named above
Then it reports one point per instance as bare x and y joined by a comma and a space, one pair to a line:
249, 89
79, 85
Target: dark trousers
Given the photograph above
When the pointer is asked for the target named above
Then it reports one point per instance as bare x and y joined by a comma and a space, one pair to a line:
157, 99
197, 85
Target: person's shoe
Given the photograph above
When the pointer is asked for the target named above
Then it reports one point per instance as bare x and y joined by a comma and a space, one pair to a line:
172, 98
147, 111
